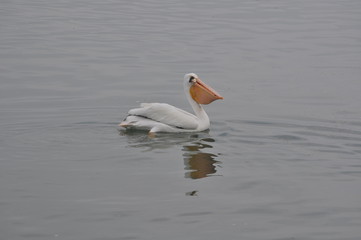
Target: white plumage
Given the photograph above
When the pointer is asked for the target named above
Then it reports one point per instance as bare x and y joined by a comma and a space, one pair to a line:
162, 117
166, 114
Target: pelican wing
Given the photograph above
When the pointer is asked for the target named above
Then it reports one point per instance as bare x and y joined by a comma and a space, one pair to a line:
167, 114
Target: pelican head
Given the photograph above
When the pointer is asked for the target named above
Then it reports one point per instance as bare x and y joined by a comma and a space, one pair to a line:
198, 90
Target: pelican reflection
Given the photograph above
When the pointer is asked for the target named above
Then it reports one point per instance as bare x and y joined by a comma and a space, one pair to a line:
198, 160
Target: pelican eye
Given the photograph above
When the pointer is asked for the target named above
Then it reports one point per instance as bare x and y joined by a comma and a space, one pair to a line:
191, 79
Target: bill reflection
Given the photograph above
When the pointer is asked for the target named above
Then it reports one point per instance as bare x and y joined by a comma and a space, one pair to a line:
199, 163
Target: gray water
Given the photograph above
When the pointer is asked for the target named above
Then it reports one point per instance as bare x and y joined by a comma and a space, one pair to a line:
282, 159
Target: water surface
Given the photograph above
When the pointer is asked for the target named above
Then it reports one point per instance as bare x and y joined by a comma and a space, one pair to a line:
282, 157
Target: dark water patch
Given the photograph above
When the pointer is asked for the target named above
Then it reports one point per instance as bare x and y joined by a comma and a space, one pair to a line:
4, 203
194, 214
286, 138
355, 166
315, 129
259, 211
305, 159
208, 139
122, 238
356, 145
334, 130
227, 130
319, 145
35, 235
351, 173
252, 122
328, 136
160, 219
342, 122
55, 216
121, 213
251, 142
225, 134
268, 123
335, 151
286, 238
314, 214
88, 123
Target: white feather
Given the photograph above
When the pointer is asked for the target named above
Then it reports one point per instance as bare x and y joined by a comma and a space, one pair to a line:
162, 117
166, 114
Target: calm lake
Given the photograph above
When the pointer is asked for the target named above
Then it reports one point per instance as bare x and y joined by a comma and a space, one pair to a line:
281, 161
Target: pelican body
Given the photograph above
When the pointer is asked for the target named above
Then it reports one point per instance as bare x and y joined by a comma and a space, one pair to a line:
162, 117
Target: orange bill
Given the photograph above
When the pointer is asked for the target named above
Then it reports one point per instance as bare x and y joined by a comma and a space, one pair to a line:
203, 94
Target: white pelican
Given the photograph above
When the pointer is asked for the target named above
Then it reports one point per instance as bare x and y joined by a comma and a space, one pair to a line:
162, 117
